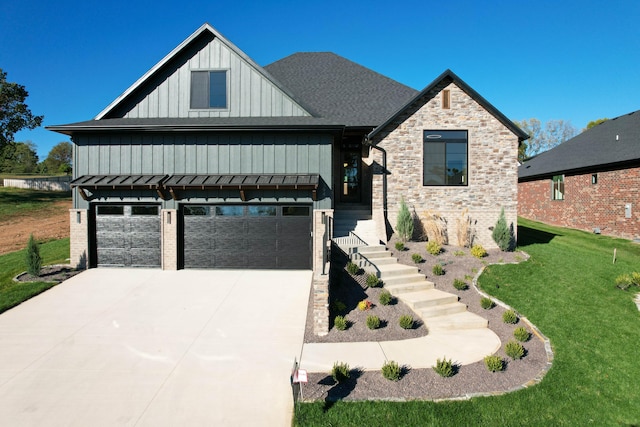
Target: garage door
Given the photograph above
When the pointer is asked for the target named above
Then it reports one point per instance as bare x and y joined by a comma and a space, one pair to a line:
241, 236
128, 235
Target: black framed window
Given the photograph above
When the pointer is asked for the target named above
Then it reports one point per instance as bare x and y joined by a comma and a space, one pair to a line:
445, 157
144, 210
209, 89
260, 210
295, 211
197, 210
229, 210
557, 187
110, 210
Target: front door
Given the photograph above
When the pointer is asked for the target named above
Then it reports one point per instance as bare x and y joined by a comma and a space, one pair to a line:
350, 173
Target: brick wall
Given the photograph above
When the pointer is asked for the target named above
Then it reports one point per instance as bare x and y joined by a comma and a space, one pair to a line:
169, 242
79, 238
492, 166
587, 206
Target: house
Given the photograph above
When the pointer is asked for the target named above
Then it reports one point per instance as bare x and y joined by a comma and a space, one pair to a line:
210, 160
590, 182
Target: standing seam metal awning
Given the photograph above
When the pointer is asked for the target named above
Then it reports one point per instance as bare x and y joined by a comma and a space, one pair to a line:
199, 182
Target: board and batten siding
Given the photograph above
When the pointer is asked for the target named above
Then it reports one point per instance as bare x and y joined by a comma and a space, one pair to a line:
202, 153
250, 93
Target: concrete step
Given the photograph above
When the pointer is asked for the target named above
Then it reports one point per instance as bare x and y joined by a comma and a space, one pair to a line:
431, 298
464, 320
392, 270
441, 310
371, 249
400, 285
365, 261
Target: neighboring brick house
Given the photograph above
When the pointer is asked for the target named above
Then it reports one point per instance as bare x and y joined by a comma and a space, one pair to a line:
590, 182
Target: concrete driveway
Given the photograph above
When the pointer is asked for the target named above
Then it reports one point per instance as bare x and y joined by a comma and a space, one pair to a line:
130, 347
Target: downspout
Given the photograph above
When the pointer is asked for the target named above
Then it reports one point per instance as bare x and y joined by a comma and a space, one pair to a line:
384, 173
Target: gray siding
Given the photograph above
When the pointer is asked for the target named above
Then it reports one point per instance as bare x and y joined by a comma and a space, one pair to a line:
202, 153
250, 93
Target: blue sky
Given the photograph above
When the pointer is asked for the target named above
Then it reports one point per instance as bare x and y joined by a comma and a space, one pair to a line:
570, 60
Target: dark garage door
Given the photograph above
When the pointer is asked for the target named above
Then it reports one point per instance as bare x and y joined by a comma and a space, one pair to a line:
241, 236
128, 235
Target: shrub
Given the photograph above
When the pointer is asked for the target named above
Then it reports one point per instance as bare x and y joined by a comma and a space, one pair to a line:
510, 316
502, 235
434, 248
459, 253
364, 305
391, 371
464, 229
486, 303
417, 258
373, 281
385, 298
521, 334
406, 321
404, 224
373, 322
478, 251
444, 368
339, 306
625, 281
399, 246
494, 363
340, 371
341, 323
435, 227
352, 268
514, 350
460, 285
438, 270
33, 258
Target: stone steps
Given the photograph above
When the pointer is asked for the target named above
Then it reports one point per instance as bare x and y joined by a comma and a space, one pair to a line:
427, 298
464, 320
408, 283
441, 310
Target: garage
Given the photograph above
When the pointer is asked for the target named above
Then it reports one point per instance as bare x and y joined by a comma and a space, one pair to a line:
247, 236
127, 235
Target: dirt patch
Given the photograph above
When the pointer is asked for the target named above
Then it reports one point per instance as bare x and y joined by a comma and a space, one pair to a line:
469, 380
45, 224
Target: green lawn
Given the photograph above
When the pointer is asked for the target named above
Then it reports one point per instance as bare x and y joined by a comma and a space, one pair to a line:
12, 264
17, 201
567, 289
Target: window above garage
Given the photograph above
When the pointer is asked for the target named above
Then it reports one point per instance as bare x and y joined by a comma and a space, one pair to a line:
209, 89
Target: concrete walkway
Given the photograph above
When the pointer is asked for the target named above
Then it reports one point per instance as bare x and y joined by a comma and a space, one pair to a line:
134, 347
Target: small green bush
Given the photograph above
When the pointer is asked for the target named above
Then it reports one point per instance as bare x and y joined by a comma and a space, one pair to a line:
460, 285
391, 371
373, 281
625, 281
406, 321
341, 323
340, 371
399, 246
364, 305
510, 317
32, 257
521, 334
417, 258
434, 248
444, 368
486, 303
459, 253
438, 270
339, 306
494, 363
478, 251
503, 235
352, 268
404, 224
373, 322
385, 298
514, 350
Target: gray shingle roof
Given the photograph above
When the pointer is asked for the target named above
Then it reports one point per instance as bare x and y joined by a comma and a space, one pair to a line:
340, 90
614, 142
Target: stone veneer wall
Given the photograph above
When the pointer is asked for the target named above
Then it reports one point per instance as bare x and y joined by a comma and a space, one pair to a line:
79, 238
322, 226
169, 227
587, 206
492, 166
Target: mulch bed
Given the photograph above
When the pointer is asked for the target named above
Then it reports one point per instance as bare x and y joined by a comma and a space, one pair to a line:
49, 273
423, 384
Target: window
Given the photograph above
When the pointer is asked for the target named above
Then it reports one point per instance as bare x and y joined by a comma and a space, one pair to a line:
197, 210
144, 210
229, 210
445, 157
557, 187
446, 99
262, 211
110, 210
208, 89
295, 211
594, 178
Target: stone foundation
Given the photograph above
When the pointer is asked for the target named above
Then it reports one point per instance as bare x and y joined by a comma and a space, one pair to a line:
79, 238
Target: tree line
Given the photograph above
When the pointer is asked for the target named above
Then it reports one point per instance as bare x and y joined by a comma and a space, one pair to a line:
21, 157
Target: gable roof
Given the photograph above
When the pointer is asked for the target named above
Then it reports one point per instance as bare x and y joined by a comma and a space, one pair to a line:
340, 90
450, 76
614, 142
204, 30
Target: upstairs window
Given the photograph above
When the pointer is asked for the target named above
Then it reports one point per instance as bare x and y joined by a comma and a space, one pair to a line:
208, 89
557, 187
445, 157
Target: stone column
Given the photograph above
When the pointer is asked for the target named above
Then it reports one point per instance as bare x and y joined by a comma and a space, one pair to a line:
169, 233
79, 238
322, 229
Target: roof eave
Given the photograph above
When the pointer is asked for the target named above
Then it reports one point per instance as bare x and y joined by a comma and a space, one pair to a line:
73, 129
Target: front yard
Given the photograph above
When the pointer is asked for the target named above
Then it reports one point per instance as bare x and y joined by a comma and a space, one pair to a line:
567, 289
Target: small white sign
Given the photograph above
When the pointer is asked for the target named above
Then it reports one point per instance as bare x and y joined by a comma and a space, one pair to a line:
300, 376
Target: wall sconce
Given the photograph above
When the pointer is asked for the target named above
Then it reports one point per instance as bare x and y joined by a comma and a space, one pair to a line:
168, 217
78, 217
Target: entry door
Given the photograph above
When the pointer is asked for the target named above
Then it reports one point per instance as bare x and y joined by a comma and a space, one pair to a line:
350, 173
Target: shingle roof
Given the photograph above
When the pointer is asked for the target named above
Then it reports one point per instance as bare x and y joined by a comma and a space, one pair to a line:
616, 141
340, 90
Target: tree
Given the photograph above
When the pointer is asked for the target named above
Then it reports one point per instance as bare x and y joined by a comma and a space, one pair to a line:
14, 113
32, 257
502, 235
19, 157
59, 159
543, 138
404, 224
596, 122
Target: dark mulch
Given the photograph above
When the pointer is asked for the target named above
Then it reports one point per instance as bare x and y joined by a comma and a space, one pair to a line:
49, 273
424, 383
